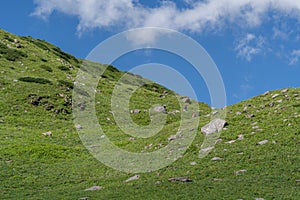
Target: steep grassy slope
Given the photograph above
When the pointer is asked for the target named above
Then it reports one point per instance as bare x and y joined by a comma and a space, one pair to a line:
36, 87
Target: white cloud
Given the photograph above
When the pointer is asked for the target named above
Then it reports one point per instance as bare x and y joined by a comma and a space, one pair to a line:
295, 56
197, 17
249, 46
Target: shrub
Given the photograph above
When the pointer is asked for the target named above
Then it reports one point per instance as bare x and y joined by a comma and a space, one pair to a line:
35, 80
47, 68
63, 68
66, 83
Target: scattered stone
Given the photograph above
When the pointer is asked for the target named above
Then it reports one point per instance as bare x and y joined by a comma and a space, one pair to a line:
230, 142
84, 198
298, 181
279, 101
93, 188
180, 179
255, 127
131, 139
250, 115
284, 90
214, 126
161, 109
185, 108
263, 142
242, 171
157, 182
214, 113
216, 159
78, 126
49, 133
193, 163
195, 115
174, 112
266, 93
273, 142
296, 95
240, 137
9, 161
238, 113
207, 149
135, 111
274, 96
186, 100
1, 121
172, 137
259, 199
271, 104
133, 178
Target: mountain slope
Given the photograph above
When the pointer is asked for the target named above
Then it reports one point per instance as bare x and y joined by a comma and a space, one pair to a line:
258, 151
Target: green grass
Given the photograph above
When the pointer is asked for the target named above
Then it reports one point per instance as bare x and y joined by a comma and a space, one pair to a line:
33, 166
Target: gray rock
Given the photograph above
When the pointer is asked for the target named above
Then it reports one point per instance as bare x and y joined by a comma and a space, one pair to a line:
161, 109
284, 90
49, 133
214, 126
133, 178
186, 100
193, 163
93, 188
263, 142
274, 96
216, 159
242, 171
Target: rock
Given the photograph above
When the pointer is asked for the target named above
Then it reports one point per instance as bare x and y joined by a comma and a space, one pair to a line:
207, 149
161, 109
186, 100
185, 108
230, 142
271, 104
93, 188
84, 198
49, 133
172, 137
180, 179
284, 90
240, 137
135, 111
279, 101
250, 115
263, 142
238, 113
242, 171
174, 112
259, 199
216, 159
18, 46
157, 183
266, 93
78, 126
255, 127
133, 178
298, 181
274, 96
195, 115
131, 139
296, 95
214, 126
214, 113
193, 163
1, 121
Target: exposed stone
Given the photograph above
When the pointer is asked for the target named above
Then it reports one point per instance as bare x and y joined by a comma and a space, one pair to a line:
216, 159
135, 111
186, 100
242, 171
84, 198
133, 178
279, 101
274, 96
131, 139
172, 137
180, 179
195, 115
214, 126
230, 142
250, 115
296, 95
214, 112
238, 113
240, 137
259, 199
161, 109
266, 93
263, 142
78, 126
193, 163
284, 90
271, 104
49, 133
93, 188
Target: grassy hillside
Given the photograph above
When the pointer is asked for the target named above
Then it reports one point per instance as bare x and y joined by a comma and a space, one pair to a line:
257, 155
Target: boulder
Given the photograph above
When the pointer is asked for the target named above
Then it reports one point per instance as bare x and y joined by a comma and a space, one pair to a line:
161, 109
186, 100
214, 126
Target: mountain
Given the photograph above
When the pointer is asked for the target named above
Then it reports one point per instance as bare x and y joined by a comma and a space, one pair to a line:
43, 157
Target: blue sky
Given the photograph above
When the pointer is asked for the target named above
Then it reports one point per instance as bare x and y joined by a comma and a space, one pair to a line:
255, 44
